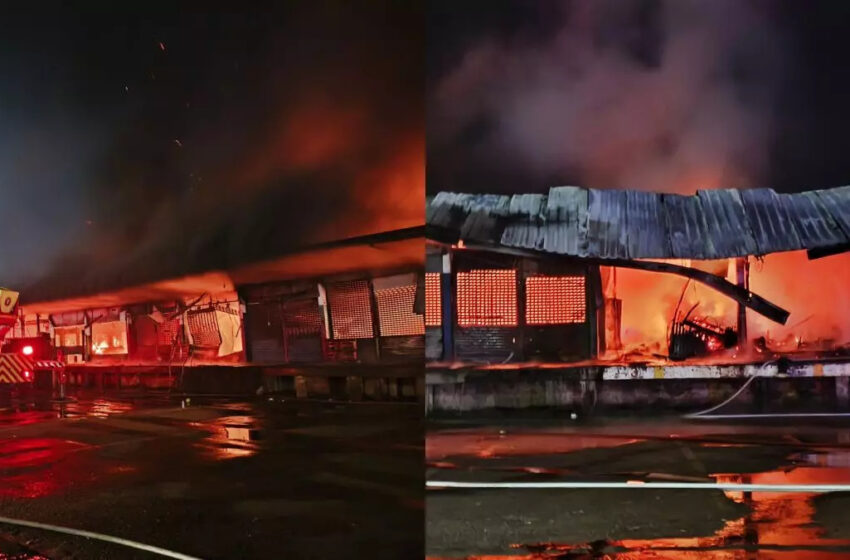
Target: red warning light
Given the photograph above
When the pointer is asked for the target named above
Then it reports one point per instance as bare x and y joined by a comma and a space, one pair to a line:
27, 350
27, 374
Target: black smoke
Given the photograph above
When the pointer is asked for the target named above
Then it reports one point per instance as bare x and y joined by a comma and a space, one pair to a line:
222, 135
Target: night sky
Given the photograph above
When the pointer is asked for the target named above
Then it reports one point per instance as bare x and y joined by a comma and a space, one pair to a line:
180, 137
664, 96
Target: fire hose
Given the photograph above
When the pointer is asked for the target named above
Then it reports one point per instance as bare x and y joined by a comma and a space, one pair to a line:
97, 536
706, 414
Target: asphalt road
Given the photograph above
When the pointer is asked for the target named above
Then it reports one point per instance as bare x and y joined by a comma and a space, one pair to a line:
213, 478
637, 522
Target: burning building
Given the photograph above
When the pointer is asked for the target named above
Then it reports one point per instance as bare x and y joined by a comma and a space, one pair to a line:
614, 285
349, 303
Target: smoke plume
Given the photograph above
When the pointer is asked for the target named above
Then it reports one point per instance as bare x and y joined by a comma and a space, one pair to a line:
252, 133
668, 96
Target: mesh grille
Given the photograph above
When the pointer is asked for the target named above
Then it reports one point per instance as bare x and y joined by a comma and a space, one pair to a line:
433, 300
555, 300
301, 317
168, 332
395, 312
486, 298
204, 328
351, 310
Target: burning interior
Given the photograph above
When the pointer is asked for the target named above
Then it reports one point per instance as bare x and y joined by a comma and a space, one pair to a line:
353, 300
626, 277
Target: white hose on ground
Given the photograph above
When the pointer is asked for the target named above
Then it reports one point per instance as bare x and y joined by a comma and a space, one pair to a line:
97, 536
781, 488
703, 413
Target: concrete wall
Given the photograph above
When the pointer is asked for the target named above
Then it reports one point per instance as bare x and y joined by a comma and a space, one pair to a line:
355, 382
585, 389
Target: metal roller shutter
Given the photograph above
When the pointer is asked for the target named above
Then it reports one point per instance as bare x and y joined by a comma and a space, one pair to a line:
264, 331
303, 328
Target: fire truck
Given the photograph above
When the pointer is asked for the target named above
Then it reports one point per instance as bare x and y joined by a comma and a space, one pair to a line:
22, 358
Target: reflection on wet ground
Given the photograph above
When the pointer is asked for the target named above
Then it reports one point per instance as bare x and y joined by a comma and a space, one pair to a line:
230, 436
34, 467
775, 526
498, 445
42, 406
303, 479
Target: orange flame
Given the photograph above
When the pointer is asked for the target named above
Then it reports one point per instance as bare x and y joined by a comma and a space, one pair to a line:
813, 291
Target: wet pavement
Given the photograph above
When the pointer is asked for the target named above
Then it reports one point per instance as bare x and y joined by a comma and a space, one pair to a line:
212, 478
636, 523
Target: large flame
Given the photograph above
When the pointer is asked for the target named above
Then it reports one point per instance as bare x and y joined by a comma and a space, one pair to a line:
813, 291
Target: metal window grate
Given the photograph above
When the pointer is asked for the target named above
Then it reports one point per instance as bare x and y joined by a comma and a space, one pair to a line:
487, 298
351, 310
395, 312
555, 300
433, 300
203, 325
301, 317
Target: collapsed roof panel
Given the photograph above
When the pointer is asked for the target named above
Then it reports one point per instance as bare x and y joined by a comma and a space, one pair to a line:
769, 221
814, 224
611, 224
726, 223
837, 203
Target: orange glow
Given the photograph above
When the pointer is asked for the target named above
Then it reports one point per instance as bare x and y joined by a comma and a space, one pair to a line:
391, 195
230, 437
487, 298
395, 312
649, 300
554, 300
109, 337
813, 291
433, 300
384, 183
316, 134
351, 310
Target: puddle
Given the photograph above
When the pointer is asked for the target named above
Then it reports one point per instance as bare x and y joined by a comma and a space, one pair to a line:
438, 446
779, 526
98, 408
30, 412
231, 436
38, 467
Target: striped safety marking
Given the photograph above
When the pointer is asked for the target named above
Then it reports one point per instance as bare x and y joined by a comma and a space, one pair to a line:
49, 364
12, 368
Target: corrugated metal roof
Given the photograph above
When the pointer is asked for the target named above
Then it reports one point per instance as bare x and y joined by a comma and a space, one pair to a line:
620, 224
645, 221
769, 221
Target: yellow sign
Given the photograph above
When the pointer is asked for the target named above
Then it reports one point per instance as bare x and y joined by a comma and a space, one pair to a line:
8, 300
